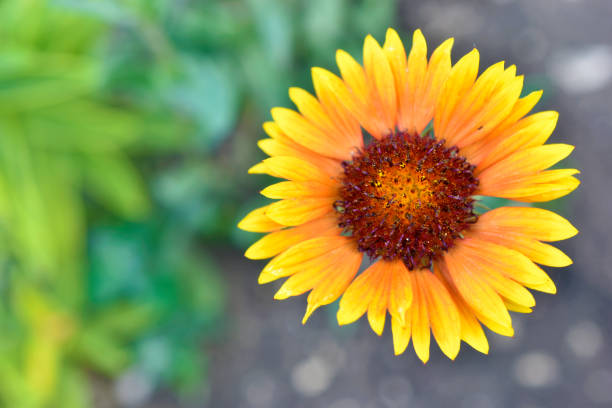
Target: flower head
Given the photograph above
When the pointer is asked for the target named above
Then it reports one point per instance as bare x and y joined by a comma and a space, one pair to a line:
441, 137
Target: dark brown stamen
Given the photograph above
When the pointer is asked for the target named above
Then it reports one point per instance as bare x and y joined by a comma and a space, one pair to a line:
407, 197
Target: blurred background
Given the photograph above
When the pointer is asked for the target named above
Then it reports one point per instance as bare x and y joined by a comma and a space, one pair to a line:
126, 129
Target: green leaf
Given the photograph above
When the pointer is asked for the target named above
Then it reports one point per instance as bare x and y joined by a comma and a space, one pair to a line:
274, 29
373, 17
118, 263
102, 352
84, 126
114, 182
109, 11
323, 24
123, 320
73, 390
208, 92
24, 86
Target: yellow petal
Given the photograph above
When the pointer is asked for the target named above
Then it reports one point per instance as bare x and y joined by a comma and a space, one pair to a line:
335, 282
310, 108
380, 77
443, 314
513, 228
338, 99
507, 261
396, 55
314, 254
473, 101
286, 147
420, 321
293, 168
362, 100
522, 107
476, 293
260, 168
258, 221
529, 185
276, 242
296, 211
353, 75
415, 86
437, 73
484, 118
487, 146
301, 282
332, 94
400, 295
383, 284
537, 251
343, 134
505, 287
543, 254
531, 131
303, 132
522, 163
471, 331
377, 309
401, 334
547, 287
532, 222
299, 189
459, 81
540, 192
499, 328
515, 307
546, 176
357, 297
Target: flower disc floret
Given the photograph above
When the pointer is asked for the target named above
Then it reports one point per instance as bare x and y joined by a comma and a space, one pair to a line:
407, 197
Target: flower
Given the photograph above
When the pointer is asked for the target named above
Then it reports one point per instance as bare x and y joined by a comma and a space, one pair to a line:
441, 137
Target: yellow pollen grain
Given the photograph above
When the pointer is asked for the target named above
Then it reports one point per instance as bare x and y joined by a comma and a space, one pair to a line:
403, 189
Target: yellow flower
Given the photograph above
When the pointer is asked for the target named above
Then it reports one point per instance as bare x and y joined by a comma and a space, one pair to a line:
405, 198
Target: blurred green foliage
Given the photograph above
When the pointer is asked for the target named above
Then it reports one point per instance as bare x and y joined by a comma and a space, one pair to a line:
126, 128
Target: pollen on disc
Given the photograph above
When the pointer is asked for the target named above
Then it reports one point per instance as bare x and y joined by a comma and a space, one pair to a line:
407, 197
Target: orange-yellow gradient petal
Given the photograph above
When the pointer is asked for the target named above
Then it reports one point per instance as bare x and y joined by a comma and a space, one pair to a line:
296, 211
314, 254
459, 82
258, 221
282, 145
443, 314
383, 286
305, 133
278, 241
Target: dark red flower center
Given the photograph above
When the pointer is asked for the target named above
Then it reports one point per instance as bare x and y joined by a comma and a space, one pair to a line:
407, 197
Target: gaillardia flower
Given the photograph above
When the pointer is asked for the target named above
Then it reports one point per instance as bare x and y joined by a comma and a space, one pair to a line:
437, 138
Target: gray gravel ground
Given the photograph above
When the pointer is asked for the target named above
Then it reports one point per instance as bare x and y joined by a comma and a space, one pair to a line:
560, 355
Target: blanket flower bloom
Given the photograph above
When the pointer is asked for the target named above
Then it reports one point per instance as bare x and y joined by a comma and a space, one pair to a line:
438, 137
